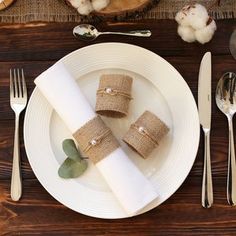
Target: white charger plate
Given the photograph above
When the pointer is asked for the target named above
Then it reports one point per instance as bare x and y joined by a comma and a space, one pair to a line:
157, 87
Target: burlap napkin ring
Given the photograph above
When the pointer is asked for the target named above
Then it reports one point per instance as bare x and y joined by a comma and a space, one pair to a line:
145, 134
96, 140
114, 95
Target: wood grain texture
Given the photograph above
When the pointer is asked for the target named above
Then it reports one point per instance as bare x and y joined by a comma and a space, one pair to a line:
35, 47
6, 3
37, 42
180, 215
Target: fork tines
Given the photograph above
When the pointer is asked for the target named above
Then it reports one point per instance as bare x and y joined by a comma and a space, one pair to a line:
17, 83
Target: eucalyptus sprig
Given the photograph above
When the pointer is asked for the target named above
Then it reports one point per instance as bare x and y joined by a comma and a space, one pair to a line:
74, 165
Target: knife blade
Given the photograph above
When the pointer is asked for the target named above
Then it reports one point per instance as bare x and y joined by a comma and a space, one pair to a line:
204, 91
204, 108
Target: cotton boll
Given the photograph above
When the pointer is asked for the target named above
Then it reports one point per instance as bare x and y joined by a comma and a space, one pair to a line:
195, 24
76, 3
197, 16
181, 18
192, 15
99, 4
205, 34
186, 33
85, 8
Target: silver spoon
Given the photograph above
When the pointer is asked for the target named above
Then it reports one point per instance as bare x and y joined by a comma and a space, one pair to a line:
89, 32
226, 101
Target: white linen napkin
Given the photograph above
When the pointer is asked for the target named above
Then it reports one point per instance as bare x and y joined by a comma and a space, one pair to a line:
127, 183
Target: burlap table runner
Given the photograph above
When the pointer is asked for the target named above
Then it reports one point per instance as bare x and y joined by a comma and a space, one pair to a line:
55, 10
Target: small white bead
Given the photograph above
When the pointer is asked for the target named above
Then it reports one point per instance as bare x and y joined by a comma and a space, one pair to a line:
93, 142
141, 130
108, 90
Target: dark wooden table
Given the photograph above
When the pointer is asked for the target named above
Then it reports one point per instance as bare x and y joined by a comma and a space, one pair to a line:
35, 47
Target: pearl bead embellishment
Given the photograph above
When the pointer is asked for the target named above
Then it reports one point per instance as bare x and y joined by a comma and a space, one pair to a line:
141, 130
108, 90
93, 142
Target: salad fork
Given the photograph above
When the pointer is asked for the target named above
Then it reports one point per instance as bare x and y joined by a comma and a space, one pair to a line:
18, 101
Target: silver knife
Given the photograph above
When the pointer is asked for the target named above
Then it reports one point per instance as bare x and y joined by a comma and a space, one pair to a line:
204, 108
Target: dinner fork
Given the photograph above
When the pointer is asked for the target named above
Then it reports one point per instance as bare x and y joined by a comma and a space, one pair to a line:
18, 100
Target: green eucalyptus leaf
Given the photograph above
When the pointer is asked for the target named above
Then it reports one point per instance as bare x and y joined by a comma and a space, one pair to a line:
71, 150
72, 169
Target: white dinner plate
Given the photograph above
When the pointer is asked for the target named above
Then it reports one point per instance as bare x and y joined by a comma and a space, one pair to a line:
157, 87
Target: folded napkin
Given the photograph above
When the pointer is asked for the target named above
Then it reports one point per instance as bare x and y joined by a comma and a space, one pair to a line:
127, 183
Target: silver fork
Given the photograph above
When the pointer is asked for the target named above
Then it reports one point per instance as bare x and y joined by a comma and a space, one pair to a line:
18, 101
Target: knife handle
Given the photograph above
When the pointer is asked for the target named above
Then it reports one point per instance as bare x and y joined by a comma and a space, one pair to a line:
231, 177
207, 189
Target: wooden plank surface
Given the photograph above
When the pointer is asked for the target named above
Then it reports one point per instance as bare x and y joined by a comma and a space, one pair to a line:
51, 42
180, 215
35, 47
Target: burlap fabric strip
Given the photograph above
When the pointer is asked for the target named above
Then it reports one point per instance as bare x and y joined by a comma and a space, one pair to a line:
114, 95
56, 10
145, 134
96, 140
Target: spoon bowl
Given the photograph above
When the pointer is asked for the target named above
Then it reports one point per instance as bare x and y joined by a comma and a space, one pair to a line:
226, 94
226, 102
89, 32
85, 32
